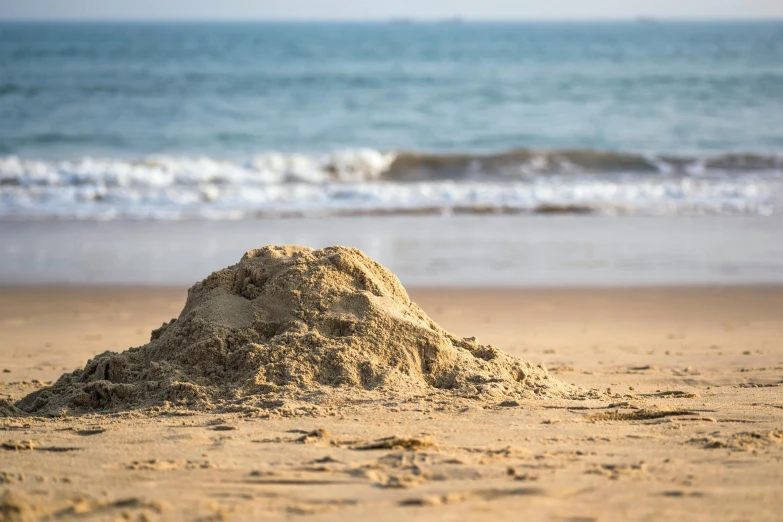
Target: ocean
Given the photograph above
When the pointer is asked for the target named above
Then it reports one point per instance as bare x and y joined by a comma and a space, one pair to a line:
173, 121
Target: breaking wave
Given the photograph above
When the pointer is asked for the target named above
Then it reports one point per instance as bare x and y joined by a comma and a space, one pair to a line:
366, 181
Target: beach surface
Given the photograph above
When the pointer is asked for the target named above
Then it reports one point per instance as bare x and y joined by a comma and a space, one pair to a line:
691, 426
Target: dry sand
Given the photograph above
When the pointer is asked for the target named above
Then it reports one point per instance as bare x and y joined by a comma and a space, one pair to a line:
293, 327
691, 428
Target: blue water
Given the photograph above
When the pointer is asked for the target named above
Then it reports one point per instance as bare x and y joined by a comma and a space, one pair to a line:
119, 89
74, 93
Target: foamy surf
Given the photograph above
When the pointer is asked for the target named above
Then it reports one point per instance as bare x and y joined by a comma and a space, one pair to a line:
367, 181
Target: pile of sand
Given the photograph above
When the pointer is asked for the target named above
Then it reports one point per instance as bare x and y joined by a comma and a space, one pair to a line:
286, 321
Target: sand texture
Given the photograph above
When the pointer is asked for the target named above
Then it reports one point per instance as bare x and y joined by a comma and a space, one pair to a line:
688, 424
295, 323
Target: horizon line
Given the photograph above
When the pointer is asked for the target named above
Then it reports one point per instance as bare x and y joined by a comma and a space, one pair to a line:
397, 19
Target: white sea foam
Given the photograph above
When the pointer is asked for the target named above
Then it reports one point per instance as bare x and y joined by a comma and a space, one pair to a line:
368, 181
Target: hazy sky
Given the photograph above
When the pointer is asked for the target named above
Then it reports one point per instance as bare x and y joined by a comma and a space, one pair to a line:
357, 9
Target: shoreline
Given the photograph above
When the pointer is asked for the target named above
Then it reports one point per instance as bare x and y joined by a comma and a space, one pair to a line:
457, 251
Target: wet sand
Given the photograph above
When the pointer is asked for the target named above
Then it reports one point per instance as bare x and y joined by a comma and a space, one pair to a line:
693, 429
433, 251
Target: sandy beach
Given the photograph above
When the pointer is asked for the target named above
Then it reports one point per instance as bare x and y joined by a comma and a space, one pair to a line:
348, 261
691, 426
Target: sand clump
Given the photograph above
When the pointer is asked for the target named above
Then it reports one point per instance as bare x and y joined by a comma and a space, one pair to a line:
289, 321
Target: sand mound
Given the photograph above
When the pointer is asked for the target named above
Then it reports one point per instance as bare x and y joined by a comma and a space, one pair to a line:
291, 320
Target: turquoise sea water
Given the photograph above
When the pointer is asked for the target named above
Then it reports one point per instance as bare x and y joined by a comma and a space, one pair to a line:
228, 120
